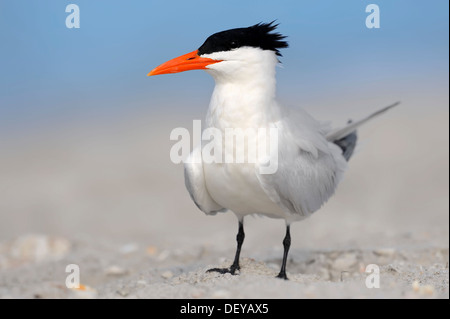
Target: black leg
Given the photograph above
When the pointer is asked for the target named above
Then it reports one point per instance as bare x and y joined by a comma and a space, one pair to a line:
286, 244
235, 266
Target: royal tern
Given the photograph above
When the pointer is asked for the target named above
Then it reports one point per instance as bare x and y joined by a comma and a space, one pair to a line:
311, 157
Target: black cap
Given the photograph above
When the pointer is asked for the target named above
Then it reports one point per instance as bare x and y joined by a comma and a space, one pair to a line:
260, 35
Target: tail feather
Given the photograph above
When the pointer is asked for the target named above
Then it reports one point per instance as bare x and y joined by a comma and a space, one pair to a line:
347, 144
342, 133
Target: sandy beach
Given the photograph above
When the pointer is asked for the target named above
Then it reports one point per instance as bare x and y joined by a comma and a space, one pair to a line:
100, 197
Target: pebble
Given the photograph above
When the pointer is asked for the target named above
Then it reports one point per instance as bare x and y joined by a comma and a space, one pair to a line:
415, 286
167, 274
152, 250
221, 294
393, 269
345, 262
197, 294
163, 255
84, 292
426, 290
310, 292
115, 271
129, 248
385, 252
123, 292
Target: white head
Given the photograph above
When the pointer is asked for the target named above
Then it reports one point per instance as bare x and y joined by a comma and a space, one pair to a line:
242, 64
233, 55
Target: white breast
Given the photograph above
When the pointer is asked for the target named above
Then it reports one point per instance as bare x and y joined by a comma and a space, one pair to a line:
236, 187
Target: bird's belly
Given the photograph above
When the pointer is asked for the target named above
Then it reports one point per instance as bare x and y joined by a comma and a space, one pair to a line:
236, 187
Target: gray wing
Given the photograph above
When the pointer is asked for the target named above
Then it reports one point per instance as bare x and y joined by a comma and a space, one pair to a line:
309, 167
196, 186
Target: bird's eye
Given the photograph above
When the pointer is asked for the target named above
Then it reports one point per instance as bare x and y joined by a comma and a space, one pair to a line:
233, 45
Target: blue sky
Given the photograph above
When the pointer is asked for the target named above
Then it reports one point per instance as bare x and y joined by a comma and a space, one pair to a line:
49, 73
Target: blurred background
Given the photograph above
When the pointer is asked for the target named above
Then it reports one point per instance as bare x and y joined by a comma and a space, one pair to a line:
84, 133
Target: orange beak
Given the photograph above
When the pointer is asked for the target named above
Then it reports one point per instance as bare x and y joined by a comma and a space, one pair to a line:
190, 61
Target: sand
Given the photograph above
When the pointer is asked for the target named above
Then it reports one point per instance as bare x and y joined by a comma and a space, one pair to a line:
102, 198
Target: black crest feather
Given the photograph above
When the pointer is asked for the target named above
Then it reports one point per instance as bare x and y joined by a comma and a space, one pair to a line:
260, 35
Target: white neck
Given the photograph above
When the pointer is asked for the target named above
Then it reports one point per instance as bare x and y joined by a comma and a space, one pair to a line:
244, 95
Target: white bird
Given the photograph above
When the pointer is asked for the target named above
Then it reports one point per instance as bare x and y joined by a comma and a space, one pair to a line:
312, 158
